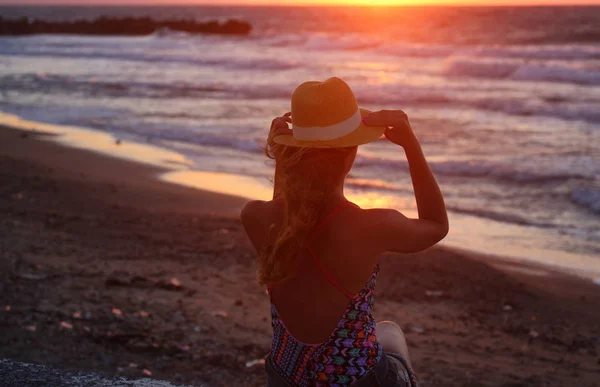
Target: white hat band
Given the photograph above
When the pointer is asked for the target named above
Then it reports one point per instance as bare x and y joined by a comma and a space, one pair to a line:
331, 132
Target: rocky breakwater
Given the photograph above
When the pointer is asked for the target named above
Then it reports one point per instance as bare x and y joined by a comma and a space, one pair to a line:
120, 26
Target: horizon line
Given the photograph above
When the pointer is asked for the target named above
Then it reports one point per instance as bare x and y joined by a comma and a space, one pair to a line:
166, 4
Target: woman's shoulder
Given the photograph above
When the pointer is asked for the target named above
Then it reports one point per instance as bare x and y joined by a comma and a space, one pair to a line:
372, 217
258, 210
256, 217
373, 228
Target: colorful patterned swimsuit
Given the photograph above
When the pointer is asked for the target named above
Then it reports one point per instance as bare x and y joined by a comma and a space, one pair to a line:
347, 355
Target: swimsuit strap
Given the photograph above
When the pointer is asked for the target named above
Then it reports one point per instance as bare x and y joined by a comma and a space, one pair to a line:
314, 256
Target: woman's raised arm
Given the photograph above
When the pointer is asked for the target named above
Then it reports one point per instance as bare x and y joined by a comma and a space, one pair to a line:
397, 232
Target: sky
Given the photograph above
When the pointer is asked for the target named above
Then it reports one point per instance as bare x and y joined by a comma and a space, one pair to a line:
306, 2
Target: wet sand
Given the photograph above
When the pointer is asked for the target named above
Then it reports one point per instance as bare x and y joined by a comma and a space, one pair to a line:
105, 268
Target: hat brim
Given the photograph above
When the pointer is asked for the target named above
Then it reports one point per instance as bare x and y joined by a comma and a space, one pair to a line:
361, 135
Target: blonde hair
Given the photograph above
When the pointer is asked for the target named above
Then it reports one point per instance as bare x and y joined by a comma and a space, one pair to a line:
306, 178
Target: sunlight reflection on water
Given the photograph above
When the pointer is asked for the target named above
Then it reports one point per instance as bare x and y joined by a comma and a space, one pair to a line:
101, 142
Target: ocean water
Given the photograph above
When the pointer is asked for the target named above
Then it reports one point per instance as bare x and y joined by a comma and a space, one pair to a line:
505, 101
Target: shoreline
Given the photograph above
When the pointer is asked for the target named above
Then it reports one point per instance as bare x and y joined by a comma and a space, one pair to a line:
85, 164
131, 276
170, 167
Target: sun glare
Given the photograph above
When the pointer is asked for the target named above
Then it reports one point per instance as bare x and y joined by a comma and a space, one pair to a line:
377, 2
380, 2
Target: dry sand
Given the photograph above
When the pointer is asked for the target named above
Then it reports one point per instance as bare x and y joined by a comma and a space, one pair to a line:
104, 268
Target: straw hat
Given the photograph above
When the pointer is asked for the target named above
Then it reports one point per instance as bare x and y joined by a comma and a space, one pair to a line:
326, 115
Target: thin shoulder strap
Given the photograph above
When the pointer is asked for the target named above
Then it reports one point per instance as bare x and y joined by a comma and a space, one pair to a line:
328, 219
314, 256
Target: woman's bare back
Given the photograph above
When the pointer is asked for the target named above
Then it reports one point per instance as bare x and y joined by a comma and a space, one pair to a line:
307, 302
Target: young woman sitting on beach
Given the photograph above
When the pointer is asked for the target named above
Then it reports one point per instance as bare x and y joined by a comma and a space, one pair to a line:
319, 253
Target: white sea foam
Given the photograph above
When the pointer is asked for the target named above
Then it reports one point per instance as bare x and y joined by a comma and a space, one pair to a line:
483, 168
518, 70
556, 74
335, 41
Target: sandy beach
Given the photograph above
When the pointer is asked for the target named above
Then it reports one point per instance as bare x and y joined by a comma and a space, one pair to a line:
106, 268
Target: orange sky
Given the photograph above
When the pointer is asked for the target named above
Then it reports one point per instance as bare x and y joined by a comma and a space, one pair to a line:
307, 2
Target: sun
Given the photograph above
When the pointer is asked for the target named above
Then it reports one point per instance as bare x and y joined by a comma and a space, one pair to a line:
382, 3
376, 2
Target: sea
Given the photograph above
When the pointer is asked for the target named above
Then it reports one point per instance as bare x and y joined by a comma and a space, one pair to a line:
505, 102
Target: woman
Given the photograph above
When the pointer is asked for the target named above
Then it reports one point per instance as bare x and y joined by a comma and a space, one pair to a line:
318, 253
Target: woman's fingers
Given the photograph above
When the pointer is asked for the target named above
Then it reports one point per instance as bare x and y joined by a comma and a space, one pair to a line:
281, 122
287, 117
280, 126
386, 118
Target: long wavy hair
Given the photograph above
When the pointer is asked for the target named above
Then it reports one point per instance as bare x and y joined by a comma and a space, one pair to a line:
305, 178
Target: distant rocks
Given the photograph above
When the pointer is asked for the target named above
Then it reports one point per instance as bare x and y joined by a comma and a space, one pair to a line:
121, 26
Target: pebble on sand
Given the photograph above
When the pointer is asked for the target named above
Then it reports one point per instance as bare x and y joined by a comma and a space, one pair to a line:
220, 313
533, 334
434, 293
254, 362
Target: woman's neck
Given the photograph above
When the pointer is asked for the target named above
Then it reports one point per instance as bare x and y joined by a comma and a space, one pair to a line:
337, 192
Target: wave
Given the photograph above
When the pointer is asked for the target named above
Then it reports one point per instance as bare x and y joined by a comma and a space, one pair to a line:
539, 52
556, 74
500, 216
477, 169
511, 63
402, 94
206, 139
344, 42
127, 53
588, 198
521, 173
166, 32
384, 94
483, 168
519, 71
90, 85
587, 111
477, 68
51, 83
213, 136
320, 41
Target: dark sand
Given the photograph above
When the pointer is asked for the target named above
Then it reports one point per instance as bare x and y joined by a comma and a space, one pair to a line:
104, 268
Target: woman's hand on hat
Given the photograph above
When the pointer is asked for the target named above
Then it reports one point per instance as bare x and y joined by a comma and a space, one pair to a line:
280, 126
399, 130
